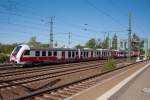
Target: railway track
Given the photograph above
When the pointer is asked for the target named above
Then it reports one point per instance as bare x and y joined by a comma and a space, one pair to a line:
36, 78
7, 66
15, 69
66, 90
10, 76
46, 74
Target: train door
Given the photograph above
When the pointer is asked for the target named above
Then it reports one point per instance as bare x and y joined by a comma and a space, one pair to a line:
63, 55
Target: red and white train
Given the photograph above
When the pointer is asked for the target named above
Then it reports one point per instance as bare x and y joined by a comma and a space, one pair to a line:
23, 54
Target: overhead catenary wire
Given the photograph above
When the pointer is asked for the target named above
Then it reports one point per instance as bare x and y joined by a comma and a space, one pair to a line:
104, 13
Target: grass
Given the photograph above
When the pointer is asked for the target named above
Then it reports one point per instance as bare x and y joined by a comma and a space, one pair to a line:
109, 65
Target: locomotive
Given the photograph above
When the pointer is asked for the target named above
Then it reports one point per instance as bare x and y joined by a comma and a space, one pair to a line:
23, 54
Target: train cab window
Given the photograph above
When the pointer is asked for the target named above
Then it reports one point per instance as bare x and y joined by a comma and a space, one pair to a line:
27, 52
43, 53
49, 53
69, 54
37, 53
55, 53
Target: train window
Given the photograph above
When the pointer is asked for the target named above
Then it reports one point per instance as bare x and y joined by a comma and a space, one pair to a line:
63, 53
43, 53
17, 49
37, 53
81, 53
77, 53
73, 54
69, 54
55, 53
27, 52
49, 53
84, 54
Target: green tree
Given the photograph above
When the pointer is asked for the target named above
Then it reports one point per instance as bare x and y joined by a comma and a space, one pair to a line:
7, 48
34, 43
79, 46
114, 42
136, 43
98, 43
91, 43
105, 43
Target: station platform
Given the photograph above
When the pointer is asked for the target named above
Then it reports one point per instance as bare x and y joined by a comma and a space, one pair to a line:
132, 84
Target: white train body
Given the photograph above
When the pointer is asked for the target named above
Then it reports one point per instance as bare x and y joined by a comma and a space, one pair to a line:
23, 54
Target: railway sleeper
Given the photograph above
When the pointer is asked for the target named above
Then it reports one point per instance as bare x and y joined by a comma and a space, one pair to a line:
66, 92
76, 88
44, 98
70, 90
81, 86
53, 96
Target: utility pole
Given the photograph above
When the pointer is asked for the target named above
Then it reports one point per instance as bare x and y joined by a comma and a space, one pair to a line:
69, 36
129, 38
108, 47
51, 31
146, 48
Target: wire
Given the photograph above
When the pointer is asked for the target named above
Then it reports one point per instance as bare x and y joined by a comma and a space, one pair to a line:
103, 12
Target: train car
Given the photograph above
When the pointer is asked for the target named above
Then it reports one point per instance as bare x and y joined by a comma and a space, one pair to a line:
25, 55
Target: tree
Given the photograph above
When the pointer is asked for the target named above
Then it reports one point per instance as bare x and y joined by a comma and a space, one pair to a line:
98, 43
114, 42
105, 43
136, 43
79, 46
7, 48
33, 43
91, 43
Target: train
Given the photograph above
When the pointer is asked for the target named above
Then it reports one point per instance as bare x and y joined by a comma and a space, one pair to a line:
25, 55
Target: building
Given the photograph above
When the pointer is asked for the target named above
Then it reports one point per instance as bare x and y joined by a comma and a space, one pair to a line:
122, 44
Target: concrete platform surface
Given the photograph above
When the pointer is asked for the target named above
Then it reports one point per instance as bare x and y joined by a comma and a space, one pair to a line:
138, 89
116, 87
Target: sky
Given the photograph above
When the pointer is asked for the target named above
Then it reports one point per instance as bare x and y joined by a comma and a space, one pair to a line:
84, 19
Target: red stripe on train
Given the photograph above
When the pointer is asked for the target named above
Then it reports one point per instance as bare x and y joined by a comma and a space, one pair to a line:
23, 59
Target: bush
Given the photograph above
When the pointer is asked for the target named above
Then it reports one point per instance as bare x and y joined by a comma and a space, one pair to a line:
110, 65
4, 58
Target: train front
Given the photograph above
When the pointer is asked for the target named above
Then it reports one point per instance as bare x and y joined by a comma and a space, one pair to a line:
17, 53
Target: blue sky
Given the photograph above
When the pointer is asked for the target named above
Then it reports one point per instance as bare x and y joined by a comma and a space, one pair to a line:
22, 19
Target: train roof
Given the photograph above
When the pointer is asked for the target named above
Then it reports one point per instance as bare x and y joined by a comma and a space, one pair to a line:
53, 49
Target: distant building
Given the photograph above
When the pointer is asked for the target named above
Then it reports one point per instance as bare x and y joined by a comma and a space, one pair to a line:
122, 44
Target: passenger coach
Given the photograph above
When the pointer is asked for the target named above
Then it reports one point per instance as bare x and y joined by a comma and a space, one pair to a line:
23, 54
